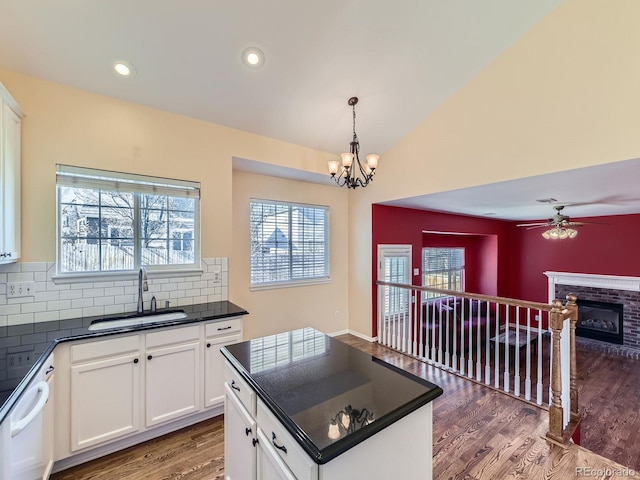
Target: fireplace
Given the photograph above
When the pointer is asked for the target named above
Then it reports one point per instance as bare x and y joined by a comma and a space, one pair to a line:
617, 324
600, 321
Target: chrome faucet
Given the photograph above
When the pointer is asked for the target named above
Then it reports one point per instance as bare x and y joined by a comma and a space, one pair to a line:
142, 287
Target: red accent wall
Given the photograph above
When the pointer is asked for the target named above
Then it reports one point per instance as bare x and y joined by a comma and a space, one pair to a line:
504, 260
487, 245
611, 247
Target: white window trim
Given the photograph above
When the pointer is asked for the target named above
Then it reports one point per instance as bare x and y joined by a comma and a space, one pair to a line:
94, 178
298, 282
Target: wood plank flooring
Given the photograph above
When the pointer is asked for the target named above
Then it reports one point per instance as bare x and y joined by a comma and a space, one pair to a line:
479, 433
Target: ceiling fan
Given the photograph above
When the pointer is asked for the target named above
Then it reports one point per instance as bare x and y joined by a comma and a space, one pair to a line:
559, 226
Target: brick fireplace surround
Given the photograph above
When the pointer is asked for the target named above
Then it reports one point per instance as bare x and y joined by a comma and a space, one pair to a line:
604, 288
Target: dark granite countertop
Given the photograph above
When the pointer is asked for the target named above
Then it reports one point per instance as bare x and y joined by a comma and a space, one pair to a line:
24, 348
307, 378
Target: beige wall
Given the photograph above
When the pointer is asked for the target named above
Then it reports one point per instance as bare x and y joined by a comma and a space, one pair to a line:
71, 126
566, 95
281, 309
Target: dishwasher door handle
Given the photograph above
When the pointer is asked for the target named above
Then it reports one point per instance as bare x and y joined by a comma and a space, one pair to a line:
43, 392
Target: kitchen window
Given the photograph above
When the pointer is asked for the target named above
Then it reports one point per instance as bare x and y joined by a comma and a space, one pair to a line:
289, 243
442, 268
116, 222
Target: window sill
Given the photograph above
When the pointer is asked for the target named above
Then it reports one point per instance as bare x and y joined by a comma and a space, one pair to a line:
70, 278
304, 283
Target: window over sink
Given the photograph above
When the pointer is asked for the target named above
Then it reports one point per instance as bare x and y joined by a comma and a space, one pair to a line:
116, 222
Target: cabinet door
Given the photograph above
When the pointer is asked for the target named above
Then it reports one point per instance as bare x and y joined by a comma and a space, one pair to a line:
172, 382
214, 369
269, 464
9, 185
239, 439
105, 400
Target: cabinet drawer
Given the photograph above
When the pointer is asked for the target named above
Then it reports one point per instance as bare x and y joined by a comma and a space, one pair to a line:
172, 336
105, 348
243, 391
223, 327
300, 464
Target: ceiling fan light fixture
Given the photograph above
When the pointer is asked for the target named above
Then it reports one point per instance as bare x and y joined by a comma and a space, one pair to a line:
559, 233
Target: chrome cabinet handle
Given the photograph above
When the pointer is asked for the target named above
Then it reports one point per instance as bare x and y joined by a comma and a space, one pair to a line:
279, 447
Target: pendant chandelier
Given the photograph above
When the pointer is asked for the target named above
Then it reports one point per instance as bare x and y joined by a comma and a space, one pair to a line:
353, 174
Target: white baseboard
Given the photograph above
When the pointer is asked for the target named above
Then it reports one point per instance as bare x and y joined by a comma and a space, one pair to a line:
354, 333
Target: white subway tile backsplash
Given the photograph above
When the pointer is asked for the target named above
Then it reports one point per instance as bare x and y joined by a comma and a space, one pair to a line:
20, 319
72, 300
33, 307
70, 294
82, 303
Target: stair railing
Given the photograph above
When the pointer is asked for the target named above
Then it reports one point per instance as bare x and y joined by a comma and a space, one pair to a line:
525, 349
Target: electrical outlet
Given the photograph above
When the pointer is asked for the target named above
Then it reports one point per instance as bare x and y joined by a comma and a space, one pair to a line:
216, 276
18, 360
19, 289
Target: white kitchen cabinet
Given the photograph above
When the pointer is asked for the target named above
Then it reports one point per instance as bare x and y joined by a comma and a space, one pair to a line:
173, 363
10, 126
218, 335
105, 390
256, 444
269, 464
240, 442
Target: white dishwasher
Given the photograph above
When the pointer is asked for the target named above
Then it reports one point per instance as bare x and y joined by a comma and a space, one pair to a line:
26, 435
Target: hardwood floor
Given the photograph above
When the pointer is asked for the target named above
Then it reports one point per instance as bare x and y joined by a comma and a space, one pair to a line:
479, 433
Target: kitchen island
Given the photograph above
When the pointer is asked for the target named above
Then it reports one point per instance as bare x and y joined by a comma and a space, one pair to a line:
302, 405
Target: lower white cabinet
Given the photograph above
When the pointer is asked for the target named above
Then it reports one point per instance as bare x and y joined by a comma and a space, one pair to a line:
240, 443
218, 335
105, 390
256, 445
128, 385
269, 464
172, 374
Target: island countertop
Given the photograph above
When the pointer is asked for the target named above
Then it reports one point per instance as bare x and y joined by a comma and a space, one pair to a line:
307, 378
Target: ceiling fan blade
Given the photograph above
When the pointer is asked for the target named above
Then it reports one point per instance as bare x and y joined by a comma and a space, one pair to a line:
537, 224
547, 225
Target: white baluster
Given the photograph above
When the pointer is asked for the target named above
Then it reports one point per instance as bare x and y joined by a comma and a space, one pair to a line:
496, 346
487, 359
516, 360
478, 352
527, 379
539, 348
506, 352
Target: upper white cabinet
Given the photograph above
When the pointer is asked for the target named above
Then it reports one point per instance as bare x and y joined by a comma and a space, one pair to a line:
10, 122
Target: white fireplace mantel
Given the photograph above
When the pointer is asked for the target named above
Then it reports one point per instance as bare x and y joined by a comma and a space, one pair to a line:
612, 282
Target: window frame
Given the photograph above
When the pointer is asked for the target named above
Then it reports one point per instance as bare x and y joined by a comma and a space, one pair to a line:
104, 180
297, 281
429, 296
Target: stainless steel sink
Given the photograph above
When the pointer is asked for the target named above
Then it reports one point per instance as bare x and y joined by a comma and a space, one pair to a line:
136, 320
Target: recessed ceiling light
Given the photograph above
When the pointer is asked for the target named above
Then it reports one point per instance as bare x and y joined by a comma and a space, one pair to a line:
252, 57
124, 68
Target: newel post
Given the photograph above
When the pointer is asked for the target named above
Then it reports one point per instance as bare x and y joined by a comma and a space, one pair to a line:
572, 307
555, 409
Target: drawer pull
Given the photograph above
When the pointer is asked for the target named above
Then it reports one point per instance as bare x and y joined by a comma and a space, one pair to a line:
135, 360
49, 370
247, 431
208, 345
233, 385
149, 357
224, 328
279, 447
